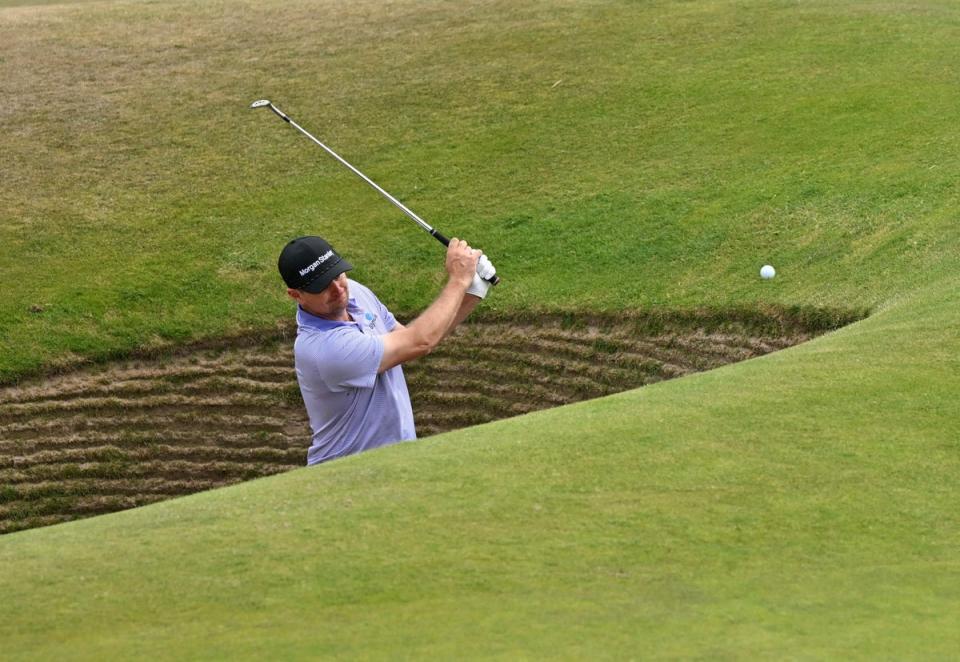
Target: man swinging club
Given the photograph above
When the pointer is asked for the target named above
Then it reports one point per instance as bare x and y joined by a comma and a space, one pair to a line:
349, 347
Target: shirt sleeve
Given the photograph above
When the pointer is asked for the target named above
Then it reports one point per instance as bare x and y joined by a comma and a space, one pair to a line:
389, 321
351, 360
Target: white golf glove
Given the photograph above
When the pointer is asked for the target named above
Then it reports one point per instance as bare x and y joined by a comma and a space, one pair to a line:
485, 268
478, 287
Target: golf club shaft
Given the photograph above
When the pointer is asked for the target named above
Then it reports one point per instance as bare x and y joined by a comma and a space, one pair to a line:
402, 207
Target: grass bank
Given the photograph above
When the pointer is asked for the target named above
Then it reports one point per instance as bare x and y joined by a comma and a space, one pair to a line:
608, 156
798, 503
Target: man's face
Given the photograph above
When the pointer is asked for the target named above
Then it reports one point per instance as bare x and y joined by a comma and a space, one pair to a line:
331, 303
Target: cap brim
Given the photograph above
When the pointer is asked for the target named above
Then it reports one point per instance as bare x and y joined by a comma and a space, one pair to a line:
323, 280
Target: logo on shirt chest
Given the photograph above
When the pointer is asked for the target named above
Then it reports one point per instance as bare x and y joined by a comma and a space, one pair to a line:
370, 320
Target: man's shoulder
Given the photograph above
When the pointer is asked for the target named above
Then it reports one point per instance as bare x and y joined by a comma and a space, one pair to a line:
312, 339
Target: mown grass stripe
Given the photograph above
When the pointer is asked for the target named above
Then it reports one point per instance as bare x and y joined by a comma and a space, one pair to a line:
239, 400
15, 452
81, 486
13, 525
141, 389
139, 385
80, 505
450, 420
450, 370
547, 394
557, 367
730, 348
176, 469
119, 374
538, 382
637, 354
184, 420
159, 451
507, 393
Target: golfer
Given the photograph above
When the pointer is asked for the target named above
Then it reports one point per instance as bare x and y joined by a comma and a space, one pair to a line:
349, 347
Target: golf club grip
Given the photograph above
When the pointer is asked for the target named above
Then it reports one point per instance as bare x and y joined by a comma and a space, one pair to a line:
446, 242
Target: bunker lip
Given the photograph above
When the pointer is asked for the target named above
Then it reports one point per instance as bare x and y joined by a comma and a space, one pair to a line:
764, 319
177, 420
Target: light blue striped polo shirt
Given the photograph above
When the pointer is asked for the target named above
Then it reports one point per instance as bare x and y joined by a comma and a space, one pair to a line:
351, 407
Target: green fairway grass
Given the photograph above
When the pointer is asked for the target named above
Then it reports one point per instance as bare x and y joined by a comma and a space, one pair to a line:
798, 505
608, 156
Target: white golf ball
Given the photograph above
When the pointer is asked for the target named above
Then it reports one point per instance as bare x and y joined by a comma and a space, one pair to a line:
767, 272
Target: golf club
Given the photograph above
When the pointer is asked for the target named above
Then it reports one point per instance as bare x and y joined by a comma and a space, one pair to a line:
266, 103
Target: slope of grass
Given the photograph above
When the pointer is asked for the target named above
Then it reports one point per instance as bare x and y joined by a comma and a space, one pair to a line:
606, 154
798, 504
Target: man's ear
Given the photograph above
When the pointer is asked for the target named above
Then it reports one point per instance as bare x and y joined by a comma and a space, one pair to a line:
293, 294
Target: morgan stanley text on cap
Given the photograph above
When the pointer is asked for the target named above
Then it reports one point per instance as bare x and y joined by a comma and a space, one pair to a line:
310, 264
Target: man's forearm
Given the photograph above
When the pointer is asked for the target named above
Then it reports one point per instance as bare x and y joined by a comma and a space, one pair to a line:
467, 305
426, 332
443, 315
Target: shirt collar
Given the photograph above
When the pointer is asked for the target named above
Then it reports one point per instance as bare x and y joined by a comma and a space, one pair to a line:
305, 319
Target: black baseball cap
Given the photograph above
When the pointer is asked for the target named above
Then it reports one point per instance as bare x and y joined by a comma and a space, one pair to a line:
310, 264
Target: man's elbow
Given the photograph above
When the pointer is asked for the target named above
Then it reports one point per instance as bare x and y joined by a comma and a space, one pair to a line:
407, 345
424, 342
424, 346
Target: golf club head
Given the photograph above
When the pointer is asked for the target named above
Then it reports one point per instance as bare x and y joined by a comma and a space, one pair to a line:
260, 103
